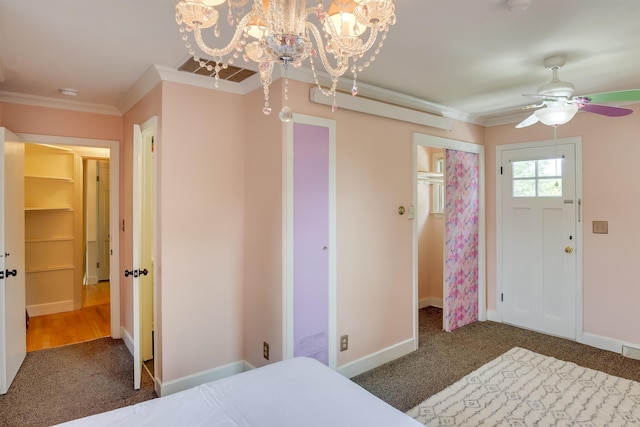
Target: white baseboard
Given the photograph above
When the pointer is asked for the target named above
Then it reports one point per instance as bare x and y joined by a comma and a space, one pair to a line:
128, 340
494, 316
50, 308
606, 343
92, 280
430, 302
184, 383
378, 358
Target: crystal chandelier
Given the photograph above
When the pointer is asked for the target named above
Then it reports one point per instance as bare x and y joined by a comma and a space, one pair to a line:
280, 31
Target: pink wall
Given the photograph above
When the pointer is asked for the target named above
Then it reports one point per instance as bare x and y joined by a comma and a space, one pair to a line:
374, 267
430, 232
50, 121
263, 229
201, 200
611, 149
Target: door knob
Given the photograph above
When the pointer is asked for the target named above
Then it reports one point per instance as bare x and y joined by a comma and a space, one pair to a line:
128, 273
568, 250
143, 272
9, 273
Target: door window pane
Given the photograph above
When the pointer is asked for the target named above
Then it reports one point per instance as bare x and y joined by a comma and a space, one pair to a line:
550, 187
550, 167
524, 169
537, 178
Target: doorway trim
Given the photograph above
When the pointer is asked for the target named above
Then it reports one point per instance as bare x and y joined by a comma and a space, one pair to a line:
114, 209
577, 142
287, 244
423, 140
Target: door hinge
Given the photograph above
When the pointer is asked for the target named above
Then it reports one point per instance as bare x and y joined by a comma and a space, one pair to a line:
97, 265
97, 178
500, 170
501, 297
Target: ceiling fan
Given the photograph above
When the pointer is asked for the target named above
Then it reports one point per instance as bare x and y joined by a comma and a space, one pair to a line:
558, 105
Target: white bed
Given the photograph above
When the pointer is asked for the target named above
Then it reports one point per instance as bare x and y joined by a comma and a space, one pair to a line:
299, 392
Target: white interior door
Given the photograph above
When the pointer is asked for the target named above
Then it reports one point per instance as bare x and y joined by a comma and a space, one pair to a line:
539, 238
103, 244
12, 282
147, 225
143, 244
310, 260
137, 218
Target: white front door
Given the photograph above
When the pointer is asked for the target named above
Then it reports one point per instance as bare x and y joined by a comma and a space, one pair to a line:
12, 283
539, 238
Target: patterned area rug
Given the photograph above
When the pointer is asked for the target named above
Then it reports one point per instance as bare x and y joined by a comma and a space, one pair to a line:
523, 388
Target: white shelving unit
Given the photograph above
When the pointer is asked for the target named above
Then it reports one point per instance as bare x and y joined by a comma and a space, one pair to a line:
53, 229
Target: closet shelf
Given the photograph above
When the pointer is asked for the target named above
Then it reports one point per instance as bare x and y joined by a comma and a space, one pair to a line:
52, 178
50, 239
41, 208
50, 268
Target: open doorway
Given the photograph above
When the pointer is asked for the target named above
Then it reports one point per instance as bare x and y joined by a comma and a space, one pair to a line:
438, 162
67, 244
90, 148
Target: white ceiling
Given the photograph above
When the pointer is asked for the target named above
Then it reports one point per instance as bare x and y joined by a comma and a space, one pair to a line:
474, 56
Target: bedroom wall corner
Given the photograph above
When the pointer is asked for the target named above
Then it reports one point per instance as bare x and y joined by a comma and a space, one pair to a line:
264, 233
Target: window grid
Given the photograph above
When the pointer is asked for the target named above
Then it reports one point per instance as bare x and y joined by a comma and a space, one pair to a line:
537, 178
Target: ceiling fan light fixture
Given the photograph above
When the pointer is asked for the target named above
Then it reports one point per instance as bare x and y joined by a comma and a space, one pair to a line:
555, 115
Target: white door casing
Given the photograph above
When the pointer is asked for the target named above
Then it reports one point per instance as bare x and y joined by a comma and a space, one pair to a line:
539, 240
12, 266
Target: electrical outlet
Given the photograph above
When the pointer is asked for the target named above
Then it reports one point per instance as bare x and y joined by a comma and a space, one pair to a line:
344, 342
265, 350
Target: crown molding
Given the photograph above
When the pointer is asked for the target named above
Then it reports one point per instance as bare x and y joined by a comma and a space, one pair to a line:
156, 74
506, 118
64, 104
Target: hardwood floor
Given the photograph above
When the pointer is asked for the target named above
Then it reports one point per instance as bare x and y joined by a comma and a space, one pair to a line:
92, 321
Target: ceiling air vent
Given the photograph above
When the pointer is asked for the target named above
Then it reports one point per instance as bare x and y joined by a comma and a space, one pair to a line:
231, 73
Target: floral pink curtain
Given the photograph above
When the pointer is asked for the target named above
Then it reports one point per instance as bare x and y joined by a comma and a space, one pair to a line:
461, 240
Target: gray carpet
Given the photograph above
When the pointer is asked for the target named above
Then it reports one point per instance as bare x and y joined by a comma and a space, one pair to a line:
64, 383
443, 358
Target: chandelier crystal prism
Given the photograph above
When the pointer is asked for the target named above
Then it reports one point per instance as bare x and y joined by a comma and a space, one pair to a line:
288, 32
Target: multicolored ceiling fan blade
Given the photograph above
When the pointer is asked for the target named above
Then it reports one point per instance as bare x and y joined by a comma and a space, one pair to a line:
606, 110
623, 95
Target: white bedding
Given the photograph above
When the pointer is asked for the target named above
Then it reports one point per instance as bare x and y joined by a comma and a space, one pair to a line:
299, 392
